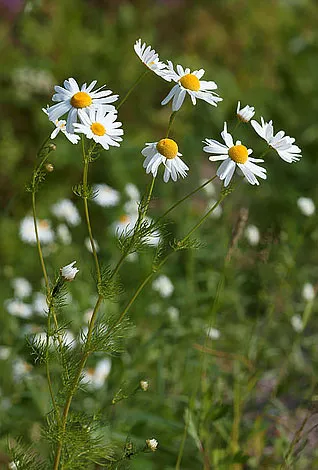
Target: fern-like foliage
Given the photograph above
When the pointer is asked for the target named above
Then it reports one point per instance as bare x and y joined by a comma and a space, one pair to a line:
82, 191
25, 457
109, 286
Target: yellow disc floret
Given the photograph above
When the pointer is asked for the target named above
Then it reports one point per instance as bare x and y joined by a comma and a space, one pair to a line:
168, 148
238, 153
81, 100
190, 81
98, 129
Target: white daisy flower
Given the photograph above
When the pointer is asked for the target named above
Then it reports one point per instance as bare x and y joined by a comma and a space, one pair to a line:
151, 59
39, 303
245, 114
283, 144
252, 235
165, 151
27, 232
87, 243
105, 196
190, 83
163, 285
66, 209
308, 292
124, 224
152, 444
306, 205
297, 323
72, 99
18, 308
232, 156
68, 272
213, 333
64, 234
95, 377
101, 126
60, 125
132, 192
22, 287
4, 353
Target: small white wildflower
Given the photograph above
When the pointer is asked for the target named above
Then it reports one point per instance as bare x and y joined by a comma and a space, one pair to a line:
125, 223
66, 209
151, 60
105, 196
27, 232
131, 208
297, 323
20, 369
60, 126
22, 287
308, 292
165, 151
173, 313
4, 353
18, 308
87, 243
306, 205
39, 303
13, 465
163, 285
213, 333
252, 235
144, 385
132, 191
64, 234
69, 272
152, 444
95, 377
132, 257
245, 114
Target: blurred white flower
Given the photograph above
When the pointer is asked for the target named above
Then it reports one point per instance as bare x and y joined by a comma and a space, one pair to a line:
39, 303
308, 292
209, 189
124, 223
69, 272
88, 245
306, 205
4, 353
131, 208
18, 308
20, 369
13, 465
88, 315
213, 333
173, 313
150, 58
163, 285
22, 287
165, 151
144, 385
245, 114
132, 257
105, 196
297, 323
28, 81
191, 83
64, 234
27, 232
101, 126
252, 235
69, 339
95, 377
132, 192
152, 444
66, 209
217, 211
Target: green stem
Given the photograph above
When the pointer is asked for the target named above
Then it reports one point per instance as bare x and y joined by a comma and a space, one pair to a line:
57, 411
132, 88
172, 117
46, 279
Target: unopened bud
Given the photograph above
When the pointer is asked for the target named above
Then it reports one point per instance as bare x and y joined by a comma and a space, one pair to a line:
49, 167
152, 444
144, 385
52, 147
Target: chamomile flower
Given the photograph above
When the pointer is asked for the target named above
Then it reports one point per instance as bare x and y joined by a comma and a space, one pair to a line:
191, 83
22, 287
283, 144
101, 126
232, 156
163, 286
105, 196
66, 209
165, 151
69, 272
95, 377
88, 244
245, 114
18, 308
60, 125
27, 232
306, 205
71, 99
151, 59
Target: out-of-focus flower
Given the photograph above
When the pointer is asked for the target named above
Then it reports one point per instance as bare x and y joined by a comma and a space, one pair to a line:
132, 192
27, 232
22, 287
209, 189
20, 369
163, 285
14, 465
306, 205
101, 126
95, 377
88, 245
144, 385
173, 313
18, 308
4, 353
39, 303
297, 323
69, 272
189, 83
252, 235
308, 292
245, 114
166, 152
232, 156
124, 224
29, 81
213, 333
217, 212
64, 234
71, 99
283, 144
66, 209
105, 196
152, 444
151, 59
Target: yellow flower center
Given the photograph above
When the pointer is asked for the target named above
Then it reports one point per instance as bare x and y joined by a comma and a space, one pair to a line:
190, 81
124, 219
98, 129
238, 153
43, 224
81, 100
168, 148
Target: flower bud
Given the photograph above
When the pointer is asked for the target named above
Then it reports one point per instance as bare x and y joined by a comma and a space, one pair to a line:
52, 147
144, 385
69, 272
49, 167
152, 444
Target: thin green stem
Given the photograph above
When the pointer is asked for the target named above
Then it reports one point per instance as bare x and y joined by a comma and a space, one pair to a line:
56, 408
122, 101
46, 279
172, 118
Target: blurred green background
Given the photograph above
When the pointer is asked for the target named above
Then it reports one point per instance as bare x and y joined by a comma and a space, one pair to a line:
260, 379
